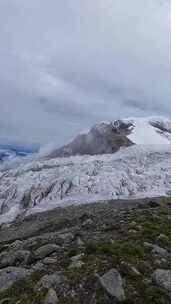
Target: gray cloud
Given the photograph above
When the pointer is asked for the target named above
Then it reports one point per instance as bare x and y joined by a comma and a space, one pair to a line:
68, 64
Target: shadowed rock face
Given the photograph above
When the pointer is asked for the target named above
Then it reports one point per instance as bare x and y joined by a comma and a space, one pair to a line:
101, 139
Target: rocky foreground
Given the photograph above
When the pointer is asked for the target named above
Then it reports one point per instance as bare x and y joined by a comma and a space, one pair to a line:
112, 252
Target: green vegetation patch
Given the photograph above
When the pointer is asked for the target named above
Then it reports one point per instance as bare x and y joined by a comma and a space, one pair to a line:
117, 248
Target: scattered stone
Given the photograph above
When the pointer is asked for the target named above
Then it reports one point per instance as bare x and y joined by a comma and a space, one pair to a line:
87, 222
112, 284
65, 238
76, 258
135, 271
17, 245
76, 264
9, 275
147, 281
159, 251
51, 297
79, 241
126, 268
51, 281
157, 262
49, 261
14, 258
132, 231
156, 250
162, 278
58, 271
46, 250
39, 266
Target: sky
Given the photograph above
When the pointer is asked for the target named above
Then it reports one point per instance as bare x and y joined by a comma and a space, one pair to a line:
66, 65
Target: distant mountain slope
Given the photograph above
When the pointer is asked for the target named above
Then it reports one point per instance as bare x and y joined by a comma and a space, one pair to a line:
109, 137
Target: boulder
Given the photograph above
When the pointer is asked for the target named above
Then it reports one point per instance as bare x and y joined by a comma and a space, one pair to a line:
51, 297
9, 275
46, 250
76, 258
51, 281
162, 278
79, 241
14, 258
156, 250
160, 251
111, 282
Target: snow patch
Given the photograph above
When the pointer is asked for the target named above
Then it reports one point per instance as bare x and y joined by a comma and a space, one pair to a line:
144, 133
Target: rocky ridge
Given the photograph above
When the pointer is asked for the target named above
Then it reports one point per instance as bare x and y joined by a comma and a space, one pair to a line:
109, 137
110, 252
103, 138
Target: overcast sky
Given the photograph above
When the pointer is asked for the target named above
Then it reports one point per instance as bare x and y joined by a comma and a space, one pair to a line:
65, 65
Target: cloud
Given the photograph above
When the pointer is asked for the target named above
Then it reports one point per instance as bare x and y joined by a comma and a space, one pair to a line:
67, 64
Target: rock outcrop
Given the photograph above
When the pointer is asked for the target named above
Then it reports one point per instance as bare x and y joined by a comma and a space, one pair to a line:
103, 138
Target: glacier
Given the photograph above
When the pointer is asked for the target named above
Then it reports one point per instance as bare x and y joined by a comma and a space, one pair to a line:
135, 172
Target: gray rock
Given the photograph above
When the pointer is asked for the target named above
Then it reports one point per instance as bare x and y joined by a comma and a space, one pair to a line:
162, 278
135, 271
65, 237
49, 261
101, 139
46, 250
76, 264
13, 258
79, 241
128, 268
156, 250
17, 245
76, 258
112, 284
51, 297
160, 251
38, 266
87, 222
51, 281
9, 275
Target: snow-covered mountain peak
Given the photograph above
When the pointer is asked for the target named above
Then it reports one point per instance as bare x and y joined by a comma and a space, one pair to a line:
149, 131
109, 137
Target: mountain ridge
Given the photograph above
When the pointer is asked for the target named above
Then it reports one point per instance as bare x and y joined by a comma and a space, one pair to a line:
109, 137
135, 171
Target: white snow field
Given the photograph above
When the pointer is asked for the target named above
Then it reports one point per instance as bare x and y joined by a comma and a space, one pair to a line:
145, 134
141, 170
